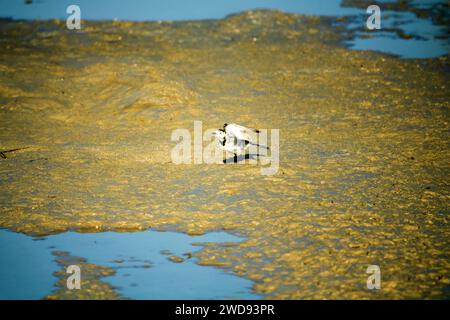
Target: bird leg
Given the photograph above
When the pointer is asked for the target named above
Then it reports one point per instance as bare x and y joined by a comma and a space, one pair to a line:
235, 158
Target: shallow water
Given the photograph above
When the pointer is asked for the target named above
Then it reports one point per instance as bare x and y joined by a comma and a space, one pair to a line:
421, 38
140, 261
153, 10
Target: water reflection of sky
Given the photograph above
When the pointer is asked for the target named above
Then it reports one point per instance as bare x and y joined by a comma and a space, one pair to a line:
27, 265
165, 10
424, 41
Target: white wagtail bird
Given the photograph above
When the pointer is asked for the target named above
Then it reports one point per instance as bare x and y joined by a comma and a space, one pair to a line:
236, 139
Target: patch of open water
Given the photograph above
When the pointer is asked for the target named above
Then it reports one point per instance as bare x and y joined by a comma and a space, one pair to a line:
140, 259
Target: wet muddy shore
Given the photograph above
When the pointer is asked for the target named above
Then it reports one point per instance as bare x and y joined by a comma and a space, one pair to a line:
364, 167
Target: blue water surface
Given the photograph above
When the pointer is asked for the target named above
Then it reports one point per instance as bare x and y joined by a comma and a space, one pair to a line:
153, 10
27, 265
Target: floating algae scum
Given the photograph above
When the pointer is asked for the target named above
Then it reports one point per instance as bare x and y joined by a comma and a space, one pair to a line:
364, 169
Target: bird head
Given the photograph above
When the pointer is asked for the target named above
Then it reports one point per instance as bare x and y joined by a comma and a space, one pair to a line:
220, 134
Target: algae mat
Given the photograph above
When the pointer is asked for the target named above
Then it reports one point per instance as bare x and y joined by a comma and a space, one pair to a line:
364, 168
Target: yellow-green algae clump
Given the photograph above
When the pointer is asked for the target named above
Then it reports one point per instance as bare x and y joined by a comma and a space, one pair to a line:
364, 149
91, 287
